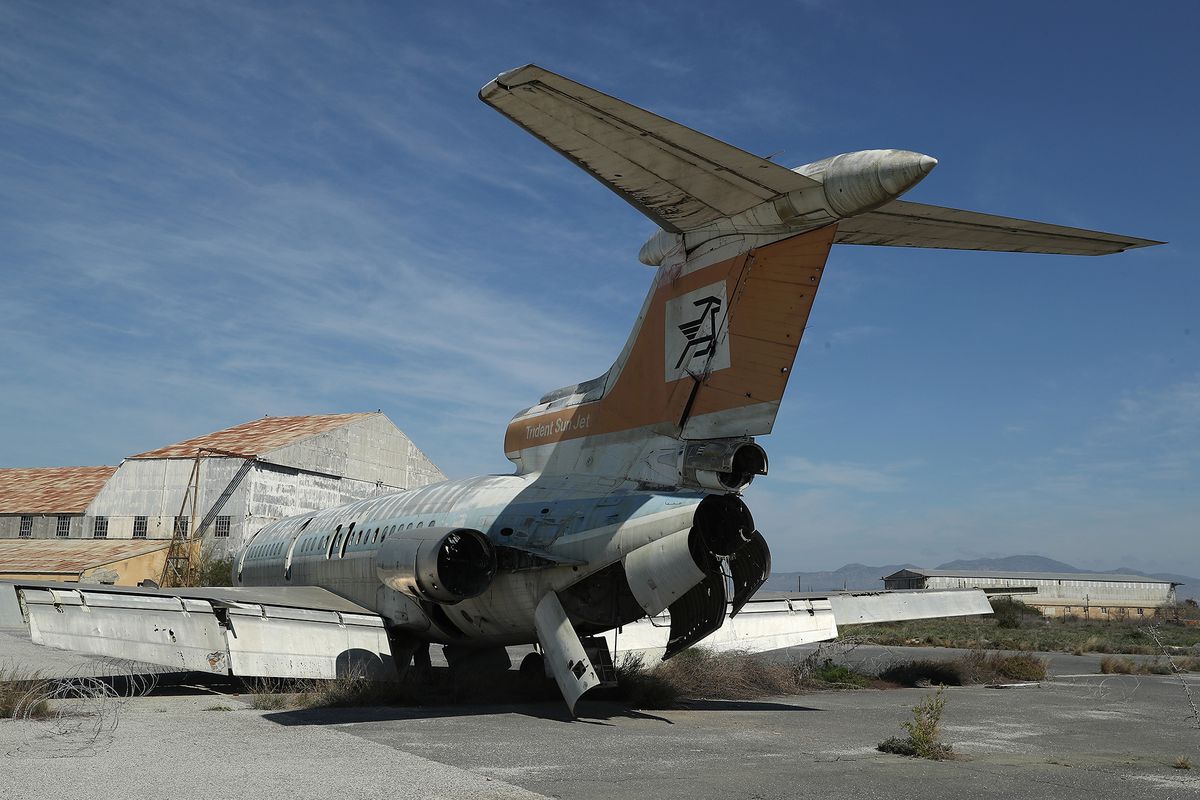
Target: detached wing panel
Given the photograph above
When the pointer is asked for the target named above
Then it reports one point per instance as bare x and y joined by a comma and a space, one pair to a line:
280, 633
678, 177
903, 224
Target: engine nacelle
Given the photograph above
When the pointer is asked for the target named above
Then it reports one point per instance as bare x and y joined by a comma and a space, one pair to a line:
723, 465
443, 565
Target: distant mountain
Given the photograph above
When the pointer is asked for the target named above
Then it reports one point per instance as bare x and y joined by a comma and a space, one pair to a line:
1043, 564
1012, 564
862, 576
851, 576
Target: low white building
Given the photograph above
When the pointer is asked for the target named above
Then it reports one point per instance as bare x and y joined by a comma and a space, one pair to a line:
1080, 594
249, 475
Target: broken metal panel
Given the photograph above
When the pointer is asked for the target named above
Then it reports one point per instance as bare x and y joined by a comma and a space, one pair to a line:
566, 658
179, 633
305, 643
862, 608
217, 633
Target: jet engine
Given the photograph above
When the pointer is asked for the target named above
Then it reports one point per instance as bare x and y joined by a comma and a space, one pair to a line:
723, 465
443, 565
688, 573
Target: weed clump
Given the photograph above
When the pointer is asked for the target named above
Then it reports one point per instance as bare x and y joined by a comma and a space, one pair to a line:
1183, 762
924, 731
25, 695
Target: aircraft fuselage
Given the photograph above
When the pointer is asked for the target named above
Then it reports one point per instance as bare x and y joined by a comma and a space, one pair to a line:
579, 522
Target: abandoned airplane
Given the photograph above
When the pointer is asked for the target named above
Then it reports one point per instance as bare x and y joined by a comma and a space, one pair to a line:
622, 527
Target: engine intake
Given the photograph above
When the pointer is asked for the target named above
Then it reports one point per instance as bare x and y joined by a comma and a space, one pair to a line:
443, 565
723, 465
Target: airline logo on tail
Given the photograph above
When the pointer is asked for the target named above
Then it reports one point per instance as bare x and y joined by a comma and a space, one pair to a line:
696, 332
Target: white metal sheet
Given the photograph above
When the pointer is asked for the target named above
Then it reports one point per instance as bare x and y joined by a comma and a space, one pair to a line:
861, 608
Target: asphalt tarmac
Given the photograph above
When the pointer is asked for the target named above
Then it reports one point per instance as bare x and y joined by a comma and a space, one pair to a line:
1077, 734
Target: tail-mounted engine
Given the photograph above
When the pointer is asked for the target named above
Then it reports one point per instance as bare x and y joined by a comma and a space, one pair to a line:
690, 572
722, 465
443, 565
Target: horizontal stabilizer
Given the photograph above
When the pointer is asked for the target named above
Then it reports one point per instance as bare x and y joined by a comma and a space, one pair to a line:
678, 177
777, 620
904, 224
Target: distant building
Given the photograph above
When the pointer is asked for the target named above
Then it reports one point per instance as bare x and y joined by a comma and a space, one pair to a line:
1080, 594
248, 475
119, 562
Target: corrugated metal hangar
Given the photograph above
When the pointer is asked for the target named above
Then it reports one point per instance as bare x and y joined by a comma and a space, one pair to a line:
224, 485
1055, 594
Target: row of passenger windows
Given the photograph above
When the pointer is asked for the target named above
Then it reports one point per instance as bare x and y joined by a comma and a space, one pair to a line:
323, 543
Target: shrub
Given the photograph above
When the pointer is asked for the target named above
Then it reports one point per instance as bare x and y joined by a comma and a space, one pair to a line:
1116, 665
924, 731
1183, 762
1020, 667
1009, 612
924, 672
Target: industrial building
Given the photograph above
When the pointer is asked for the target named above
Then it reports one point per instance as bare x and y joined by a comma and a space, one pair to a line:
224, 485
1055, 594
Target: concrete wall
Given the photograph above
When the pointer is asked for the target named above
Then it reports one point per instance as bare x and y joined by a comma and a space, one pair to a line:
371, 449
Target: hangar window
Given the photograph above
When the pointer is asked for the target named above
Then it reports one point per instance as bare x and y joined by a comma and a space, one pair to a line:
64, 527
1141, 612
139, 527
222, 529
100, 528
26, 527
181, 525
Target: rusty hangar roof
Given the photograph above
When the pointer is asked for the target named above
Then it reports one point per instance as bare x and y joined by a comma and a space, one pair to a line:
257, 437
50, 490
69, 556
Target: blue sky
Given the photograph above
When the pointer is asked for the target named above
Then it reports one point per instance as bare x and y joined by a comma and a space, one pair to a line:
213, 212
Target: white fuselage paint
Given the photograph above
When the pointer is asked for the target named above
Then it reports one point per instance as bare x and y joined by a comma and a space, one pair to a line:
578, 518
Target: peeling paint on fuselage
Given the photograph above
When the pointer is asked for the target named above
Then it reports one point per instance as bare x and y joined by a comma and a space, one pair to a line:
580, 518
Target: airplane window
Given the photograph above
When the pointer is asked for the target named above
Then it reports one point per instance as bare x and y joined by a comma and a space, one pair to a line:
410, 526
420, 524
506, 532
432, 523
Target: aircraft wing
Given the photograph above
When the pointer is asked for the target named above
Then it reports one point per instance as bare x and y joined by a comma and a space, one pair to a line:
774, 621
678, 177
280, 632
904, 224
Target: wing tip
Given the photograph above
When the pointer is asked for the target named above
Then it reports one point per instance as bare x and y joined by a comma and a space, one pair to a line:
508, 79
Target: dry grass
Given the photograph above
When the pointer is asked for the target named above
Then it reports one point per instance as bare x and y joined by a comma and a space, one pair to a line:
1118, 665
25, 695
968, 669
1183, 762
1033, 634
702, 674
